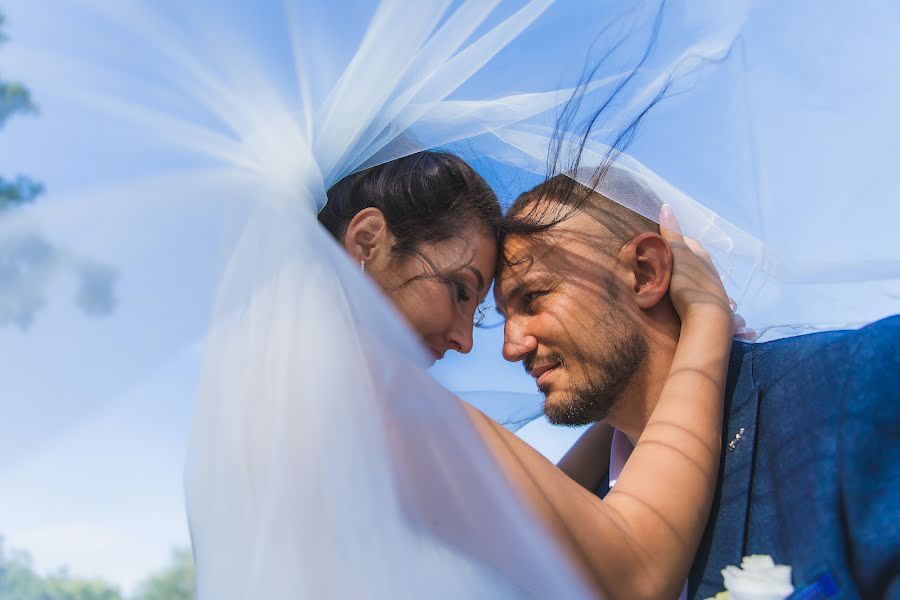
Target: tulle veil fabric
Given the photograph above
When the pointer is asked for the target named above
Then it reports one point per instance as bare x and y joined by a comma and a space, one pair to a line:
324, 460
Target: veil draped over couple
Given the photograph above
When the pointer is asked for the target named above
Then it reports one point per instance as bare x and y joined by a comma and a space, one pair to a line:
352, 186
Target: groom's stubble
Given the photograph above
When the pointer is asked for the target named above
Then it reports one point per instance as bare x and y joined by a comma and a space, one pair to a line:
607, 367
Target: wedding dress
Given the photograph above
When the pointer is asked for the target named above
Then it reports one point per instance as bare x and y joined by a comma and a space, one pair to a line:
186, 150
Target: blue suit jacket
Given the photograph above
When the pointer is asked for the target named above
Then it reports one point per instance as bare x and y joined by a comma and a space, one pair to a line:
814, 480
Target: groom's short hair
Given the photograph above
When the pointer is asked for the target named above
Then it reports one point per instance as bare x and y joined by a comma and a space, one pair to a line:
541, 208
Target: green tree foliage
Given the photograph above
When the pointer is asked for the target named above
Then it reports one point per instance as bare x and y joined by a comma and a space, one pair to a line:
63, 587
15, 99
175, 582
18, 581
18, 191
28, 261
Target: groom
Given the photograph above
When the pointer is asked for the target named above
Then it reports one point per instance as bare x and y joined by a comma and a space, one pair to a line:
810, 465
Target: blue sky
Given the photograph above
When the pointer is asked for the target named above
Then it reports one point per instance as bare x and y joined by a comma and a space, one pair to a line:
792, 137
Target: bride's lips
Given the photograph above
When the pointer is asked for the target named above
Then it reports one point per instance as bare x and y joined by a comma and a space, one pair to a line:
437, 355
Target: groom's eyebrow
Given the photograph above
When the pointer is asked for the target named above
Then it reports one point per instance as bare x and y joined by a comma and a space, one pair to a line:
534, 277
510, 297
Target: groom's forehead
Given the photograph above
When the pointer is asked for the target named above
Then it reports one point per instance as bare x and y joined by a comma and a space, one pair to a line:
568, 249
527, 257
577, 234
525, 253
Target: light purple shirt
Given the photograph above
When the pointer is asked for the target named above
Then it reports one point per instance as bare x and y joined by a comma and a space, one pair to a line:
619, 452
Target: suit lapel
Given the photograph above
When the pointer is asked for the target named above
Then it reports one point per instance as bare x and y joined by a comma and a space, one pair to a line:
723, 542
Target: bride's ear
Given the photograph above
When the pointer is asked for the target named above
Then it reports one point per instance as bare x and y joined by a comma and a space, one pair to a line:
367, 238
648, 261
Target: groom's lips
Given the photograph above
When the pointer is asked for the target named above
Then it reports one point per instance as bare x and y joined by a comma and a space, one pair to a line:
542, 372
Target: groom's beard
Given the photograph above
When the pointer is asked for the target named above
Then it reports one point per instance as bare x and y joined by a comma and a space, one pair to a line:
606, 372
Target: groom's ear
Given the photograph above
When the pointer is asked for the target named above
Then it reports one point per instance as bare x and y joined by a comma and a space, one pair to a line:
367, 237
647, 260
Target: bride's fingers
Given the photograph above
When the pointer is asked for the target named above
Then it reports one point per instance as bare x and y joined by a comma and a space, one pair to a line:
741, 331
695, 262
746, 334
698, 249
671, 231
668, 224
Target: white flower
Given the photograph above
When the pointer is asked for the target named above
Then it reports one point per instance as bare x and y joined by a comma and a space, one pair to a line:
758, 578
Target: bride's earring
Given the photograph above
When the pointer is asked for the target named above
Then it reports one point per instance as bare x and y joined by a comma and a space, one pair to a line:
362, 265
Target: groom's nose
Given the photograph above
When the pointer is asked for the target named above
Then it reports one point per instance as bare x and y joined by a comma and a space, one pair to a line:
517, 342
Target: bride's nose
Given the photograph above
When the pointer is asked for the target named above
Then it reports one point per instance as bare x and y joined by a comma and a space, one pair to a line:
460, 336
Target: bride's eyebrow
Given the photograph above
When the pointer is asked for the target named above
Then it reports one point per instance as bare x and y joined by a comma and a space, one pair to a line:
478, 277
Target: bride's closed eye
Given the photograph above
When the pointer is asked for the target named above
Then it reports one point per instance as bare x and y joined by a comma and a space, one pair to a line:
461, 292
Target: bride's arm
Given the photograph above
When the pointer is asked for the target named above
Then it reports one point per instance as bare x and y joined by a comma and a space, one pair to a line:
587, 461
639, 541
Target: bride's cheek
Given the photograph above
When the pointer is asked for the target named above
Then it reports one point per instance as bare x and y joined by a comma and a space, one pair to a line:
429, 308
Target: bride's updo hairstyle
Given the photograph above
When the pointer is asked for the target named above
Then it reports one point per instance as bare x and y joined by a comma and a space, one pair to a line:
426, 197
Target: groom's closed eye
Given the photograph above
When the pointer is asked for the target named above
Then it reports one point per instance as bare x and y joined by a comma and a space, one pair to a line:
516, 298
531, 299
531, 293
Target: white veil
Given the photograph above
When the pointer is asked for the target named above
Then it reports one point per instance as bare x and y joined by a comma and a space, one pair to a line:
773, 150
186, 149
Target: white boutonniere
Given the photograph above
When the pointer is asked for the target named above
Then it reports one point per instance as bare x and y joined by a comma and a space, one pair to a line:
758, 578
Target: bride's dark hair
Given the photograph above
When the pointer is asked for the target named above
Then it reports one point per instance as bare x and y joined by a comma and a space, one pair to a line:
425, 197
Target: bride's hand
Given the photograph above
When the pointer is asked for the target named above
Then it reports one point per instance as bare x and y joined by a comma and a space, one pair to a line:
695, 285
741, 331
